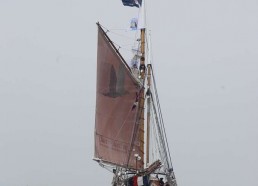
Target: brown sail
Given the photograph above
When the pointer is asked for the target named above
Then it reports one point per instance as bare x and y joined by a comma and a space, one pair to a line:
116, 107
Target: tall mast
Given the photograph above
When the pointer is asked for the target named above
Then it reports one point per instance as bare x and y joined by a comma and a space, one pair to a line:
142, 97
142, 76
148, 115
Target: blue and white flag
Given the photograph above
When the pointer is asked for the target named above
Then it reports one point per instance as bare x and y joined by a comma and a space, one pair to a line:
134, 23
136, 3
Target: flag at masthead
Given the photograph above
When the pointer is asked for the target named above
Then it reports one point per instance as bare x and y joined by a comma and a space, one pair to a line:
136, 3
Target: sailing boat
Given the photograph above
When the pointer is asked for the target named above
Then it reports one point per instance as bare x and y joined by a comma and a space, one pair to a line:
134, 149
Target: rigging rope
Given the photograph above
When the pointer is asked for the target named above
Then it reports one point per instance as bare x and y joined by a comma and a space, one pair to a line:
135, 132
130, 110
156, 135
123, 46
160, 134
149, 46
161, 119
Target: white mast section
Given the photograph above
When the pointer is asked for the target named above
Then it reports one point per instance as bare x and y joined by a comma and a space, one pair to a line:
142, 16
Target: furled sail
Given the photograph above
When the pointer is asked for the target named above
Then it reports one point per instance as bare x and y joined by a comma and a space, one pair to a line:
116, 141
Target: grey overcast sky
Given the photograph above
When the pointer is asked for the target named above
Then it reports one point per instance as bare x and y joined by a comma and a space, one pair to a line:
206, 59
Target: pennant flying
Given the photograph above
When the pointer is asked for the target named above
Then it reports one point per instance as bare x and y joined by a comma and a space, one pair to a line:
136, 3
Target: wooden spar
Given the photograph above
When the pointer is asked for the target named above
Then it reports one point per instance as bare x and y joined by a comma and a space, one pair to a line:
148, 115
143, 52
141, 96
